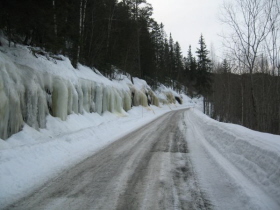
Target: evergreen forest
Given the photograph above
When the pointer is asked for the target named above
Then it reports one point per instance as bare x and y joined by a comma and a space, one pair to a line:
243, 87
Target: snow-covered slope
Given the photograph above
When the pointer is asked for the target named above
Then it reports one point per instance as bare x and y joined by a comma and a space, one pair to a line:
53, 116
239, 168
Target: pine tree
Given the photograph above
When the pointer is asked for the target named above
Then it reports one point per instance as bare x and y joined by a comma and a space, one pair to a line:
166, 59
162, 58
178, 57
191, 72
204, 80
179, 66
225, 66
191, 66
171, 59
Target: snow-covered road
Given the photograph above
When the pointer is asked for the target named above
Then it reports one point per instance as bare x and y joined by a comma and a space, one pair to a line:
181, 160
147, 169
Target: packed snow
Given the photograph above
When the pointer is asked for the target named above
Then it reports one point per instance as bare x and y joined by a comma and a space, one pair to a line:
53, 116
238, 168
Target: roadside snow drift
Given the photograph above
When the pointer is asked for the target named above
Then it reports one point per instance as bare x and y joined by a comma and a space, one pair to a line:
249, 159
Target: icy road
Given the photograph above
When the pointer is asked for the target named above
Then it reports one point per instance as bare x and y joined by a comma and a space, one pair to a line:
167, 164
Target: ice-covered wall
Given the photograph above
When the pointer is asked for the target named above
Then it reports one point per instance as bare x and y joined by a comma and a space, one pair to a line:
153, 98
33, 87
143, 97
168, 96
28, 96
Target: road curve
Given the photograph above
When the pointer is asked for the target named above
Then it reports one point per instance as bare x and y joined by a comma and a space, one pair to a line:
149, 168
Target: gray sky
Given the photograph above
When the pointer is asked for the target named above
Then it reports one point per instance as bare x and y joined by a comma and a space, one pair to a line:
187, 19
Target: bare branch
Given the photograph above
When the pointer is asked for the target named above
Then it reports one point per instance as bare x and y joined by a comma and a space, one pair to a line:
251, 22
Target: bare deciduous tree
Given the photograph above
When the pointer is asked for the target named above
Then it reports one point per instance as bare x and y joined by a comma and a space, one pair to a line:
251, 22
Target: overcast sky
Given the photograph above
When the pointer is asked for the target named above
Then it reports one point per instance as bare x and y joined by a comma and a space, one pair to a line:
187, 19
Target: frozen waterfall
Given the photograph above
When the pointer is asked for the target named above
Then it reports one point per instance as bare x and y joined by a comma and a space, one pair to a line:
28, 96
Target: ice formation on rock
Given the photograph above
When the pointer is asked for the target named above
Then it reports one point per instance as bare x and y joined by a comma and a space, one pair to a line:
168, 96
152, 97
98, 98
126, 101
28, 95
138, 97
60, 98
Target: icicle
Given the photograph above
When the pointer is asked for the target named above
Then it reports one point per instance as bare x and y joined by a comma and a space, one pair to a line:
126, 101
140, 99
15, 117
98, 98
85, 85
75, 100
59, 98
70, 98
80, 98
4, 107
42, 109
170, 97
111, 99
115, 101
154, 99
48, 87
31, 104
92, 97
143, 99
11, 107
136, 98
119, 102
106, 99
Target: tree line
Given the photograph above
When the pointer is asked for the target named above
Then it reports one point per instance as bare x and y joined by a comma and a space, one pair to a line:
102, 34
246, 85
112, 34
231, 99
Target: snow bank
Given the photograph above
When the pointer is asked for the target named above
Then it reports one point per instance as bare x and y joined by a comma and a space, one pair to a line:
254, 154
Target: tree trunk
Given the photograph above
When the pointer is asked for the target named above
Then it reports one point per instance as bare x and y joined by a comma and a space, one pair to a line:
82, 14
54, 19
242, 103
204, 107
254, 105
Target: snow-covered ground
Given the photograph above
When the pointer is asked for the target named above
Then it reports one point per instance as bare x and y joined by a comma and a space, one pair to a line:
43, 149
30, 158
238, 168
